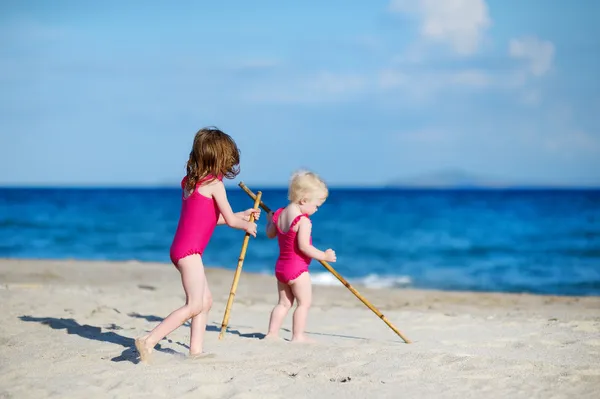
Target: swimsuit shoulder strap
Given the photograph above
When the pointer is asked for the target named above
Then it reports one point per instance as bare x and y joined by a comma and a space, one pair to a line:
297, 219
276, 215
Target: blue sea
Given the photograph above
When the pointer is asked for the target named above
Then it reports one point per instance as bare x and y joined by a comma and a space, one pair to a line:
534, 241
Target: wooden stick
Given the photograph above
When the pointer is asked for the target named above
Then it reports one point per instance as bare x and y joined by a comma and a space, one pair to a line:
238, 271
335, 273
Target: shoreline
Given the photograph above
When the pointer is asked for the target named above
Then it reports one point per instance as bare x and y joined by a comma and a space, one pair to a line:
67, 329
334, 284
149, 276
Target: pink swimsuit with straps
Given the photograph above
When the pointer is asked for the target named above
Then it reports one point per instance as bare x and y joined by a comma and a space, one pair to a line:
291, 262
197, 221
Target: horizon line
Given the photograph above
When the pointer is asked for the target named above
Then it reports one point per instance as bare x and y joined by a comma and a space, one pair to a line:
465, 187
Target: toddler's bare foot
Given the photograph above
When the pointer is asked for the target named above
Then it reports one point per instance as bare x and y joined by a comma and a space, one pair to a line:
303, 339
142, 347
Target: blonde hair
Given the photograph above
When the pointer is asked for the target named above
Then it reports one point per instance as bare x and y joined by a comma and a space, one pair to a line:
306, 185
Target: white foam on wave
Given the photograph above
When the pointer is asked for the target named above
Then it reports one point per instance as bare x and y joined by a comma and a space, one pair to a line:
370, 281
324, 279
375, 281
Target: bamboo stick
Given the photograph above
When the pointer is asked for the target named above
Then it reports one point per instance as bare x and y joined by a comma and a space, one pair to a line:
332, 271
238, 271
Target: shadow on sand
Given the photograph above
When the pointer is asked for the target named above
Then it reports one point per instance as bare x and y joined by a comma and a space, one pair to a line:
213, 327
130, 353
95, 333
216, 327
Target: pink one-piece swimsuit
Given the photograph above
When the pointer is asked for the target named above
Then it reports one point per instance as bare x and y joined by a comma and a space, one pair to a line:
291, 262
197, 221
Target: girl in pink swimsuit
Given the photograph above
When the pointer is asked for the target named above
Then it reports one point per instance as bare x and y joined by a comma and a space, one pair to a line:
292, 226
204, 205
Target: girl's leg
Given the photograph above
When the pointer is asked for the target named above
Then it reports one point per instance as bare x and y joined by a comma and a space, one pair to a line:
286, 299
194, 283
198, 325
302, 290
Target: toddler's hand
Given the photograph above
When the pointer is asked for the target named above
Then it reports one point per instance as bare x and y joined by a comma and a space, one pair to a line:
251, 211
251, 229
330, 255
270, 217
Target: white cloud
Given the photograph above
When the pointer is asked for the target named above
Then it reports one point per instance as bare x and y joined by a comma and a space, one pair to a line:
458, 23
539, 54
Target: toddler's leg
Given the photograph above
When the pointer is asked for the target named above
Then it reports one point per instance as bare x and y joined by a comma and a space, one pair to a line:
194, 283
198, 325
302, 290
286, 299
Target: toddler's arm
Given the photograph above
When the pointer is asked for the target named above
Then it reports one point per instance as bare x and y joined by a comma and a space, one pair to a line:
304, 229
220, 196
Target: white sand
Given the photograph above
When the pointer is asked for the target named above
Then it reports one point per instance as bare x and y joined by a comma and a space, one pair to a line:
67, 330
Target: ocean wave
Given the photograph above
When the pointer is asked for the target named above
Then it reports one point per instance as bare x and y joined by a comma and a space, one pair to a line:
369, 281
515, 241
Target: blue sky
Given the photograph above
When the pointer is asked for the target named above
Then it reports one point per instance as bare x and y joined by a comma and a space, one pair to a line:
361, 92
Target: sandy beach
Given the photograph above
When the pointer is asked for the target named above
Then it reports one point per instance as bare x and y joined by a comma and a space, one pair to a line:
67, 331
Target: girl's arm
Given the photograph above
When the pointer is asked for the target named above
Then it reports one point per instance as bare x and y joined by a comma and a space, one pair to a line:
220, 196
271, 228
242, 215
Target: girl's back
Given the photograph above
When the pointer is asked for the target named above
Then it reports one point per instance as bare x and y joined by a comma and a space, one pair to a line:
286, 221
197, 221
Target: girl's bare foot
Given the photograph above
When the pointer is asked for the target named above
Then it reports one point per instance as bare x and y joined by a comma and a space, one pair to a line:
142, 347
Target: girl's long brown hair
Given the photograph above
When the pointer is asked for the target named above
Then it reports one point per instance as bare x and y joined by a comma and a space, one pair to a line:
215, 154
